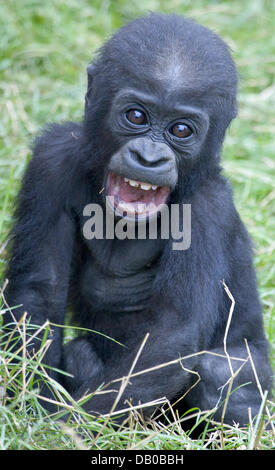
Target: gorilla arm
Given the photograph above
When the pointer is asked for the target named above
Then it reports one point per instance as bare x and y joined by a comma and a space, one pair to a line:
42, 239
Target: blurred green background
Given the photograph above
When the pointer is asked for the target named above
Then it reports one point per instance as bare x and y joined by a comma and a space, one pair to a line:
45, 47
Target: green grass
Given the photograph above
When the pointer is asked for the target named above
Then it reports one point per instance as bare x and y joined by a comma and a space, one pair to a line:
45, 47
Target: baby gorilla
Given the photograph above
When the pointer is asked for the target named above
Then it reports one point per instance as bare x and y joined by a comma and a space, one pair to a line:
161, 94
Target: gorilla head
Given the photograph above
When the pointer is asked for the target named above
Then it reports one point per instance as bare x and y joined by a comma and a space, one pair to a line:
162, 93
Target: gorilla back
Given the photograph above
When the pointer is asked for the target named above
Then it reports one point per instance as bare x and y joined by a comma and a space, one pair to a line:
161, 94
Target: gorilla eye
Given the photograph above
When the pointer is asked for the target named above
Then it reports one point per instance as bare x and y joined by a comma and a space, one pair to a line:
136, 117
180, 130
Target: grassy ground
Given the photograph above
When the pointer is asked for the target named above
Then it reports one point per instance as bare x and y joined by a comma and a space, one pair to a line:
45, 47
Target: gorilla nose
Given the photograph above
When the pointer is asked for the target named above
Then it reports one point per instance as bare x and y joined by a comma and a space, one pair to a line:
142, 159
145, 154
152, 161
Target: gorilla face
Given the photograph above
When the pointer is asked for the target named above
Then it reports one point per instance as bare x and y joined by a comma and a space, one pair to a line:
155, 136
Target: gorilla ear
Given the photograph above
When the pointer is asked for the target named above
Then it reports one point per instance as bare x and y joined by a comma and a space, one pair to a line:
90, 73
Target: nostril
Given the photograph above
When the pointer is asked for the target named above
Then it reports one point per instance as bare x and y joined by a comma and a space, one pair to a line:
137, 157
160, 161
157, 162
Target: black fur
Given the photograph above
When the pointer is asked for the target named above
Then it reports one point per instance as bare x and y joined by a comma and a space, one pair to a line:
126, 288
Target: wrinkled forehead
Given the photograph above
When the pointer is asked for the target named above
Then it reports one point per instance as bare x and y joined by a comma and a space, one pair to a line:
168, 90
161, 103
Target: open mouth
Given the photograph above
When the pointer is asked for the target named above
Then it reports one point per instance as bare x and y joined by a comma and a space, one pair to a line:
135, 198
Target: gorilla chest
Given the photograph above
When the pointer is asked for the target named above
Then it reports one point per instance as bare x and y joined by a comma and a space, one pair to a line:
113, 293
120, 278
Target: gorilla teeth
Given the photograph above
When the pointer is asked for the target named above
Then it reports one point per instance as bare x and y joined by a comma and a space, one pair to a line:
144, 186
125, 206
133, 183
139, 208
